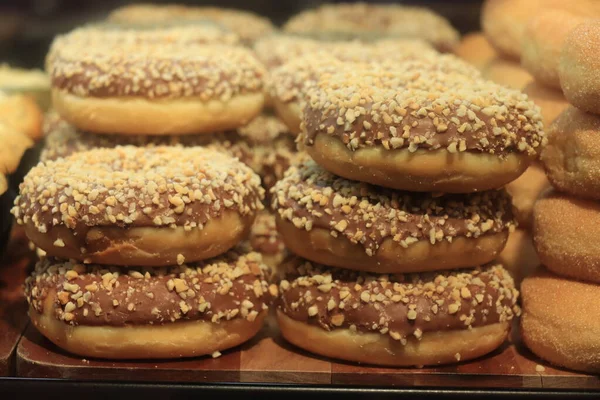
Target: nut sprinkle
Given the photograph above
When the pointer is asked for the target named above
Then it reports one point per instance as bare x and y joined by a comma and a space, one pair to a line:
310, 198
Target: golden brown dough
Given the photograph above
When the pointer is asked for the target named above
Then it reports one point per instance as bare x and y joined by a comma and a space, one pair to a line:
559, 323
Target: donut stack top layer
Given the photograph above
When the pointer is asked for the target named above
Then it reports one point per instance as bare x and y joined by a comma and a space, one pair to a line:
228, 286
155, 71
129, 186
361, 20
420, 105
248, 26
276, 50
397, 305
312, 198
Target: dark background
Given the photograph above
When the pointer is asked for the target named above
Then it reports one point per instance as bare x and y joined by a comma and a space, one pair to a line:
28, 26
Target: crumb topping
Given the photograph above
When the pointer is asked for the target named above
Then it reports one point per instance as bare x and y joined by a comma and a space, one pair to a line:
136, 186
310, 198
233, 285
362, 20
422, 105
399, 305
155, 71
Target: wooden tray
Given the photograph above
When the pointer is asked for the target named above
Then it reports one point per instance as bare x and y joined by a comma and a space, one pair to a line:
269, 359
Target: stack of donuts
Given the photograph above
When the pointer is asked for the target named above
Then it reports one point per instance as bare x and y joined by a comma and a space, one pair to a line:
144, 198
395, 224
560, 322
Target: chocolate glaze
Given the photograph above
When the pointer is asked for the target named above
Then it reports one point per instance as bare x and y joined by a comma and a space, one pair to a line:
409, 304
215, 290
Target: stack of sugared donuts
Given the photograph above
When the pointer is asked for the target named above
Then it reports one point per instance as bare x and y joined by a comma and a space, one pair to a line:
396, 222
143, 230
560, 313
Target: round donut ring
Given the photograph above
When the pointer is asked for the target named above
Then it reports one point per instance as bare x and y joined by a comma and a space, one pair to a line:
420, 127
396, 320
148, 313
349, 224
139, 206
156, 89
551, 325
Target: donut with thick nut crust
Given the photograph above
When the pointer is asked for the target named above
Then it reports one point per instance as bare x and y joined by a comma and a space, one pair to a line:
289, 82
265, 144
563, 226
421, 128
559, 322
129, 313
247, 25
400, 320
139, 206
552, 102
524, 191
374, 21
572, 156
579, 66
156, 89
349, 224
542, 43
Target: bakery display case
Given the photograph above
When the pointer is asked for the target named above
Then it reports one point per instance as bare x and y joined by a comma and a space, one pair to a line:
273, 198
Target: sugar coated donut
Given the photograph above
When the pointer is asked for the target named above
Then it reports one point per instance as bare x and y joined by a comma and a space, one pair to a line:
524, 191
572, 155
563, 227
475, 48
373, 21
397, 320
504, 21
552, 102
139, 206
420, 127
155, 89
353, 225
519, 256
579, 65
558, 324
247, 25
288, 83
542, 42
506, 72
131, 313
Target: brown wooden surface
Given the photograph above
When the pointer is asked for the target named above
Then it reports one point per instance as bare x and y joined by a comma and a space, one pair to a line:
13, 317
265, 359
269, 359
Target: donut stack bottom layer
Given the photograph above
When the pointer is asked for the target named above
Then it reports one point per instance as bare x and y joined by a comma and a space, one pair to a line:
146, 299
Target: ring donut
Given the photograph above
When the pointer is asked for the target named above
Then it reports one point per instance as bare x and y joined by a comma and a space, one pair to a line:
562, 228
289, 82
348, 224
139, 206
142, 313
155, 89
396, 320
374, 21
550, 327
420, 127
247, 25
572, 156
